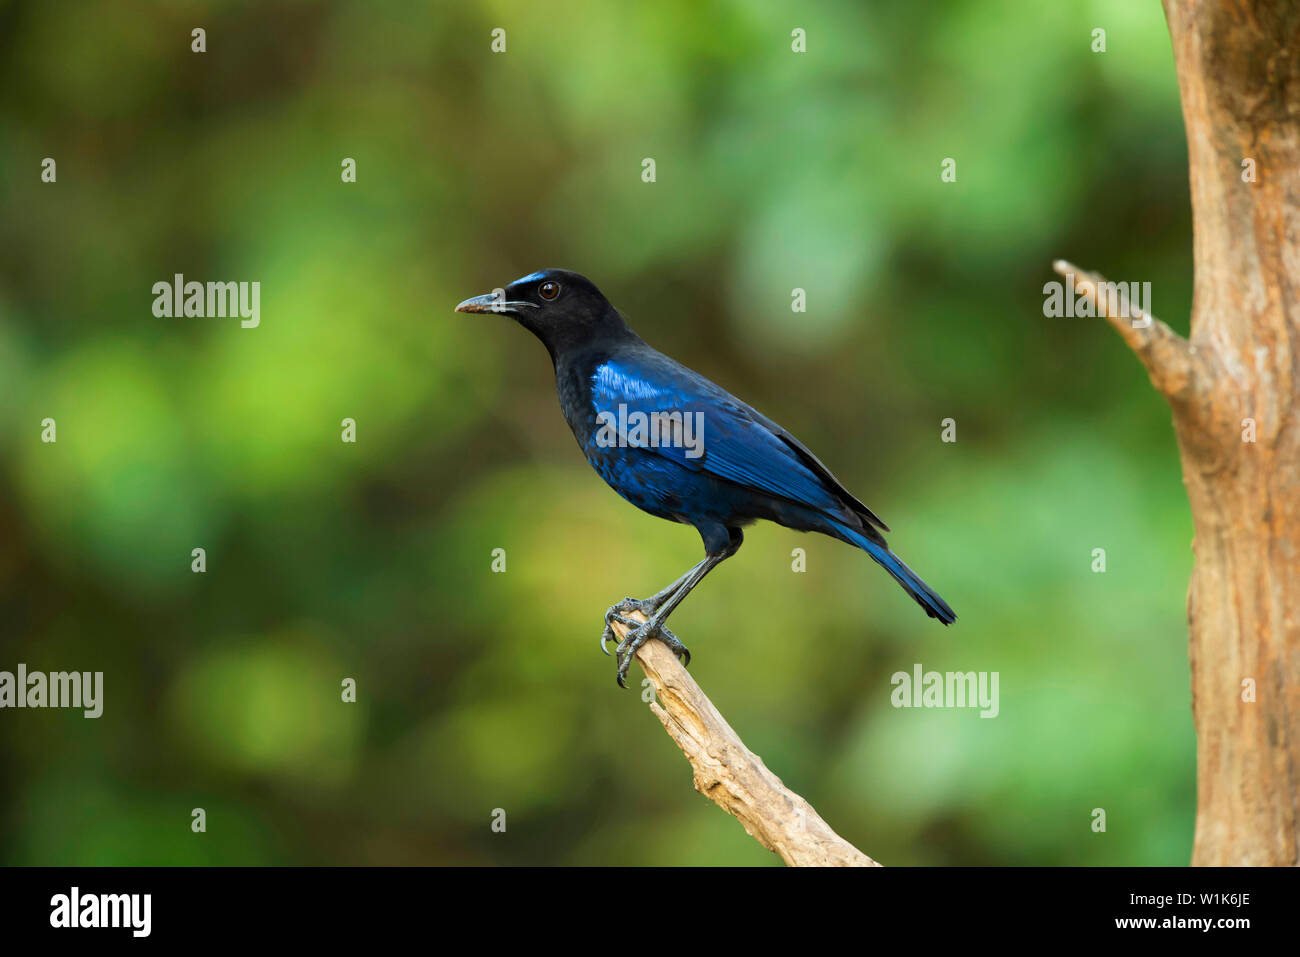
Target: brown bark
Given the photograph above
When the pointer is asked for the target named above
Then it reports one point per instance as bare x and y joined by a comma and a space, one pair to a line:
732, 776
1238, 64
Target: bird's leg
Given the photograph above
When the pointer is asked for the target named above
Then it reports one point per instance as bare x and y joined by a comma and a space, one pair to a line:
647, 607
642, 631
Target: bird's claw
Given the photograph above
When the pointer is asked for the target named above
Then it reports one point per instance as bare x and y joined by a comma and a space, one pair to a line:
642, 605
616, 613
638, 634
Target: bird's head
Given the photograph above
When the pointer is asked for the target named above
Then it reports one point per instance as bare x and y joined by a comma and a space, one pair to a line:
561, 308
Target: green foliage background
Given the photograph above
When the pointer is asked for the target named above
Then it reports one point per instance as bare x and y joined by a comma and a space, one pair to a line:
478, 690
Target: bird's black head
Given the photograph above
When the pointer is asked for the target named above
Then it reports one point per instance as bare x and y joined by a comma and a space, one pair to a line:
562, 308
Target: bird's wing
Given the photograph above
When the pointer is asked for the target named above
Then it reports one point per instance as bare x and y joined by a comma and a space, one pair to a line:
815, 464
737, 443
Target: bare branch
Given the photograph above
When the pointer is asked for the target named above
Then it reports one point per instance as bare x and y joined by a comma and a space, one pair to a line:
732, 776
1169, 359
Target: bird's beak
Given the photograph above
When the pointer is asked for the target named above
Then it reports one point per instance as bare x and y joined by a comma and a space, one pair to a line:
486, 303
492, 302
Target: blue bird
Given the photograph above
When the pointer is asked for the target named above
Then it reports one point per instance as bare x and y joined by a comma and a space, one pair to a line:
680, 447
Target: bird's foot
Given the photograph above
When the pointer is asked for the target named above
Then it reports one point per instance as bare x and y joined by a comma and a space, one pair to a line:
617, 612
639, 632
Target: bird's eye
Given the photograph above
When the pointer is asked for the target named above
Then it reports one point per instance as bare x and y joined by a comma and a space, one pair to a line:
548, 290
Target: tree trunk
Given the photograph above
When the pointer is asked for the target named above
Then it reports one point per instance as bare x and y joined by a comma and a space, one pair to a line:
1233, 390
1239, 73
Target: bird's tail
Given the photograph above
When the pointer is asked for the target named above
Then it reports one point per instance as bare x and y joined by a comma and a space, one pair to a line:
925, 596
